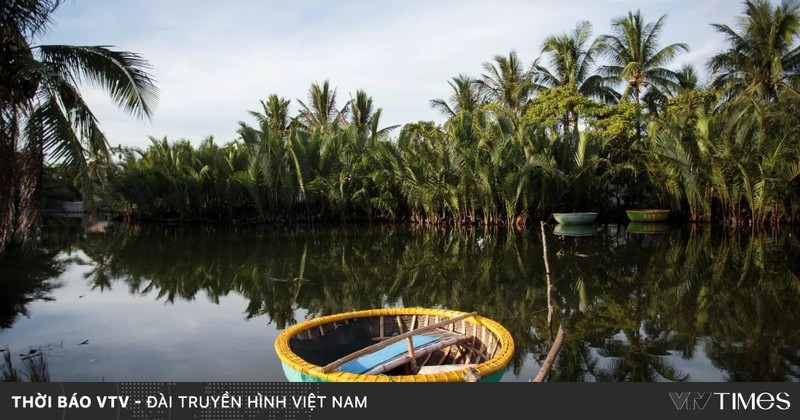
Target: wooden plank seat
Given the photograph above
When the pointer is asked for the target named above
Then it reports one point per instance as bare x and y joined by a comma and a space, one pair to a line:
434, 330
424, 370
398, 354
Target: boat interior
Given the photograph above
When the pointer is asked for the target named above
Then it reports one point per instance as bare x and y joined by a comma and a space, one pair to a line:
396, 345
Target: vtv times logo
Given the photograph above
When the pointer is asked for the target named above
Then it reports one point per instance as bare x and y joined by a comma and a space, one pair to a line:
763, 401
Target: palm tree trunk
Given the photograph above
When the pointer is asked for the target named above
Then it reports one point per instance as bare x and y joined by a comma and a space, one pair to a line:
8, 181
30, 190
638, 114
574, 122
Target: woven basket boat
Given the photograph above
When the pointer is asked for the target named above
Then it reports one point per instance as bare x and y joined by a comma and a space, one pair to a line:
575, 218
648, 215
396, 345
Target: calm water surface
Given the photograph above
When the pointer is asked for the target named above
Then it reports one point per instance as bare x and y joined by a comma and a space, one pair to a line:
136, 304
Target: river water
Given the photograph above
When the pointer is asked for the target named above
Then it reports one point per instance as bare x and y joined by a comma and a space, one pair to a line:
640, 303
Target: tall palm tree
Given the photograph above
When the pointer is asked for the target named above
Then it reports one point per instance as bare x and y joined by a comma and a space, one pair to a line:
571, 60
321, 110
761, 60
361, 111
632, 49
274, 115
507, 82
42, 112
465, 96
687, 79
365, 118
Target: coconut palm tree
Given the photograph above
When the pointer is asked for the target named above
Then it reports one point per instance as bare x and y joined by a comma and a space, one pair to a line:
507, 83
362, 111
635, 59
571, 60
321, 110
464, 97
365, 118
762, 60
43, 115
274, 115
688, 79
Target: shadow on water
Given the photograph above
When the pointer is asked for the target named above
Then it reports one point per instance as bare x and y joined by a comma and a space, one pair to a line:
26, 277
634, 304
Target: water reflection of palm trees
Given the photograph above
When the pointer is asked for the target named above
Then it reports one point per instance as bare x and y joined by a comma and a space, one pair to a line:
26, 277
745, 302
628, 301
638, 349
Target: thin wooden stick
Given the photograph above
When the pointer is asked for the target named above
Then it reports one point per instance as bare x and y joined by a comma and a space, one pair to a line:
491, 347
385, 343
445, 353
551, 355
549, 283
428, 349
427, 358
413, 361
476, 351
459, 354
555, 348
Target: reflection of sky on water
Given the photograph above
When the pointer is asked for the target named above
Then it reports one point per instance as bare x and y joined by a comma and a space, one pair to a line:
699, 367
136, 338
139, 338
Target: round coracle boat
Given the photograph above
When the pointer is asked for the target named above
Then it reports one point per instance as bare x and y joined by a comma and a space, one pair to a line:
648, 215
578, 218
396, 345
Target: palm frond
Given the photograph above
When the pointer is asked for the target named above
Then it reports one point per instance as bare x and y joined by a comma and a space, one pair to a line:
29, 17
58, 138
123, 74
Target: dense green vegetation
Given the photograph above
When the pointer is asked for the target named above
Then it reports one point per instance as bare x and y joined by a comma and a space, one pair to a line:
594, 124
43, 115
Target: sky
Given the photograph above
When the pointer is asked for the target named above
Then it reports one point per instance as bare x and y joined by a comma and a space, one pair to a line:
213, 61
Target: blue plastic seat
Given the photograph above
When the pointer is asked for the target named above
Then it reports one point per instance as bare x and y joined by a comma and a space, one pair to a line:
367, 362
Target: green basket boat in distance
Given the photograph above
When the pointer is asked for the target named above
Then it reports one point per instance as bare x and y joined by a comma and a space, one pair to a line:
577, 218
648, 215
396, 345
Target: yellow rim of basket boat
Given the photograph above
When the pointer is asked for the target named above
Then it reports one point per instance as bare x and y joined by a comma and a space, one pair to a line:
491, 366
